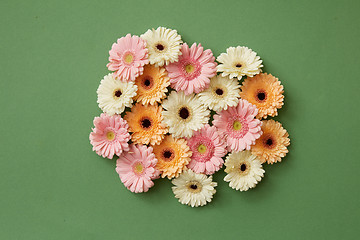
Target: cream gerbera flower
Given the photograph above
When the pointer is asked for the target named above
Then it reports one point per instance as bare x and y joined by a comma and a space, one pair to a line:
114, 95
221, 94
163, 45
184, 114
238, 62
243, 169
194, 189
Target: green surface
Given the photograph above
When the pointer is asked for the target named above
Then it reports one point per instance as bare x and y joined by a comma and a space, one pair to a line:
53, 55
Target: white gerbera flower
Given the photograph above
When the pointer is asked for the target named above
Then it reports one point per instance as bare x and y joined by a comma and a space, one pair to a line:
221, 94
114, 95
239, 61
184, 114
163, 45
194, 189
243, 169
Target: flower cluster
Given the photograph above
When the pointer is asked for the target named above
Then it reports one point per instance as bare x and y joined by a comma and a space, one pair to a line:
173, 111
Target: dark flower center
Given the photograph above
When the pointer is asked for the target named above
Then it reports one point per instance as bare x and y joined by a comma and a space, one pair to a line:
261, 96
147, 82
219, 92
193, 186
238, 65
145, 123
243, 167
184, 113
118, 93
167, 154
269, 142
160, 47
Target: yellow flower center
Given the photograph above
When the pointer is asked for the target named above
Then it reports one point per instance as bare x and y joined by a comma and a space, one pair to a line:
201, 148
138, 168
189, 68
129, 58
237, 125
110, 135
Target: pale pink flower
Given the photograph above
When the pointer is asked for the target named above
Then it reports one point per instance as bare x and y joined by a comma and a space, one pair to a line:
136, 168
194, 69
208, 148
110, 135
239, 126
128, 57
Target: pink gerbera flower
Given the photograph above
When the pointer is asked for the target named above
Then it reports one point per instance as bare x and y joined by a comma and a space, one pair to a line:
136, 168
239, 126
193, 70
128, 57
208, 148
110, 135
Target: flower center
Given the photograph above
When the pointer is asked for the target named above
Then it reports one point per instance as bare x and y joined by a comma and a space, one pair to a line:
128, 58
261, 95
184, 113
138, 168
145, 123
269, 142
117, 93
201, 148
110, 135
160, 47
237, 125
168, 155
238, 65
194, 186
219, 91
147, 82
243, 167
189, 68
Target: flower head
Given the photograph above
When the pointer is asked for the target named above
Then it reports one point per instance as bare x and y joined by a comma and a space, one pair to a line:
265, 92
163, 44
239, 126
244, 170
114, 95
194, 189
194, 69
152, 85
145, 124
173, 155
110, 135
208, 148
222, 93
136, 168
127, 58
184, 114
238, 62
272, 145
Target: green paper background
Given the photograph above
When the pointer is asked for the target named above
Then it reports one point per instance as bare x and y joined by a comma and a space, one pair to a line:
53, 55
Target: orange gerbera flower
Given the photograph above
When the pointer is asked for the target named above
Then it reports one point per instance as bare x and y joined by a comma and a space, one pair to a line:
152, 85
145, 124
272, 145
265, 92
173, 155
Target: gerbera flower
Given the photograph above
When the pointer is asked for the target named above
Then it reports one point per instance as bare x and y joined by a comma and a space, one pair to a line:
244, 170
221, 94
145, 124
184, 114
173, 155
238, 62
114, 95
152, 85
272, 145
194, 69
127, 57
239, 126
194, 189
163, 44
208, 148
136, 168
110, 135
265, 92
